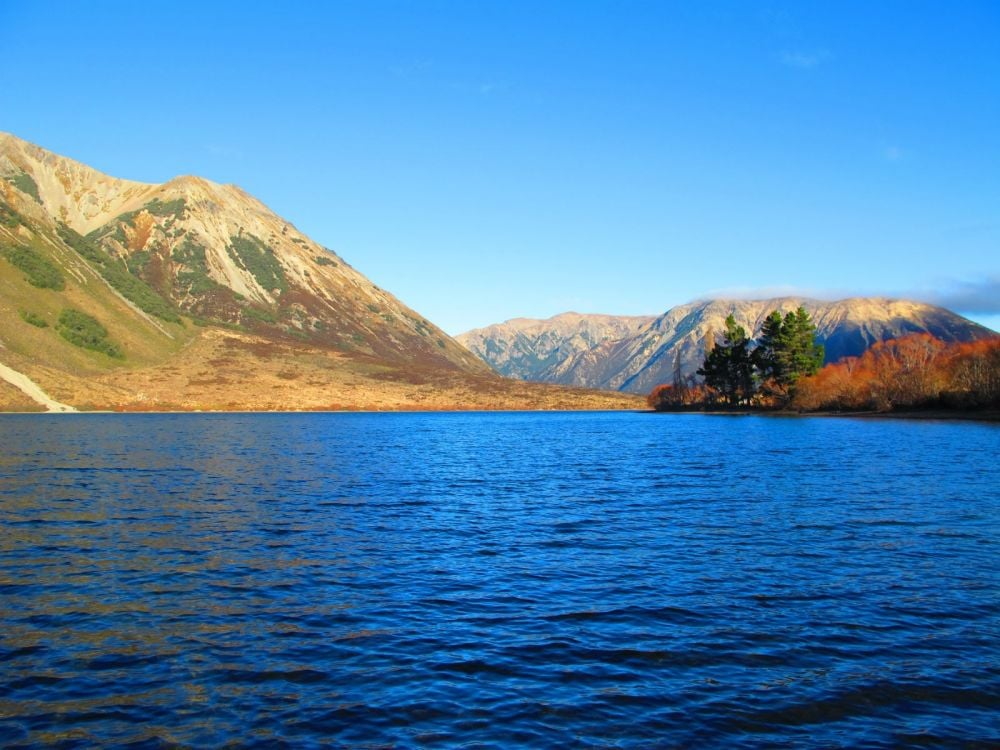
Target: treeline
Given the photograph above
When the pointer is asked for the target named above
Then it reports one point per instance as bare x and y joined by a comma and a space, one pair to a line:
781, 370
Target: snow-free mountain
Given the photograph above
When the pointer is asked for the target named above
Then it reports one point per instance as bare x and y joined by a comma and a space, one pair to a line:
634, 354
192, 294
530, 349
218, 254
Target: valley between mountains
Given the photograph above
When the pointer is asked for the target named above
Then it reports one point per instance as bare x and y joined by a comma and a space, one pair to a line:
191, 295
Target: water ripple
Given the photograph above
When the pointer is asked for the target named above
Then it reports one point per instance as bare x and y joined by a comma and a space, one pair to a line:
495, 581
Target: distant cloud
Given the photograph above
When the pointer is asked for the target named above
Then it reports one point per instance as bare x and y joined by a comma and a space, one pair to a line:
771, 292
980, 297
803, 60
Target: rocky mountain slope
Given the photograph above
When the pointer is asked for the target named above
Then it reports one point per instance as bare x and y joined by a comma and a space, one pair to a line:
219, 255
638, 360
530, 349
191, 294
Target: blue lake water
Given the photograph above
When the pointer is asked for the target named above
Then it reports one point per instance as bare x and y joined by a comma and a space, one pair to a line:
498, 580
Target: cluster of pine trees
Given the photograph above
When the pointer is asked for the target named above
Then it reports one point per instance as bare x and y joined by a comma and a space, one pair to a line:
744, 373
739, 371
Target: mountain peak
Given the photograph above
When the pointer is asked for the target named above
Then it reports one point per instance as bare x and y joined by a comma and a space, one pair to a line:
190, 181
215, 253
74, 193
197, 188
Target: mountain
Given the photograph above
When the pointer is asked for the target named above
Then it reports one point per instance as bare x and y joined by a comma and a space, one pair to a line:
532, 349
191, 294
638, 360
217, 254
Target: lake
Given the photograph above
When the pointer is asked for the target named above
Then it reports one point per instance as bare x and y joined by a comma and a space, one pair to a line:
498, 580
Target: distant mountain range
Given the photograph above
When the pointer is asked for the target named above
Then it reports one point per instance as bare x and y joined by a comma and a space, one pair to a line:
634, 354
192, 294
530, 349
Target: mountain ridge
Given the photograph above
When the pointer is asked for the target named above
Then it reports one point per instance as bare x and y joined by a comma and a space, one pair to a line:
215, 252
536, 346
191, 294
639, 361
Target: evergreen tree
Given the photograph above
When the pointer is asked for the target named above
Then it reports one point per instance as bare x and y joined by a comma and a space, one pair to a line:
728, 367
806, 355
786, 351
771, 355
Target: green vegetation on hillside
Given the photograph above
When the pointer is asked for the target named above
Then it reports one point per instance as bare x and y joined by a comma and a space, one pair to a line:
259, 314
259, 259
26, 184
38, 270
174, 208
194, 278
423, 327
171, 210
324, 261
114, 271
9, 217
83, 245
138, 261
34, 319
84, 331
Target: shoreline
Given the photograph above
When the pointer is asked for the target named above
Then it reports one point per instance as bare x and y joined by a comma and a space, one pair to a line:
991, 415
450, 410
962, 415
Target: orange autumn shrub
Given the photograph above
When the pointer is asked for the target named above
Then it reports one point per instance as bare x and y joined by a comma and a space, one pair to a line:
974, 374
667, 397
905, 372
834, 388
912, 371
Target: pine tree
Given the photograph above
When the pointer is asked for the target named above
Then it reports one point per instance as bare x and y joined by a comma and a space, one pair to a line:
786, 351
728, 367
771, 354
806, 355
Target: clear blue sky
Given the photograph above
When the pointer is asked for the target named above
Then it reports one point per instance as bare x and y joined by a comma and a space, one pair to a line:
487, 160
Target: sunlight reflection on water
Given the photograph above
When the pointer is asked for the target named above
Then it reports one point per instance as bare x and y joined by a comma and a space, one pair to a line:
537, 579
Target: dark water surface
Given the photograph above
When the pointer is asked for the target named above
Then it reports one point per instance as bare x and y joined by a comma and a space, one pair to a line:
498, 580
